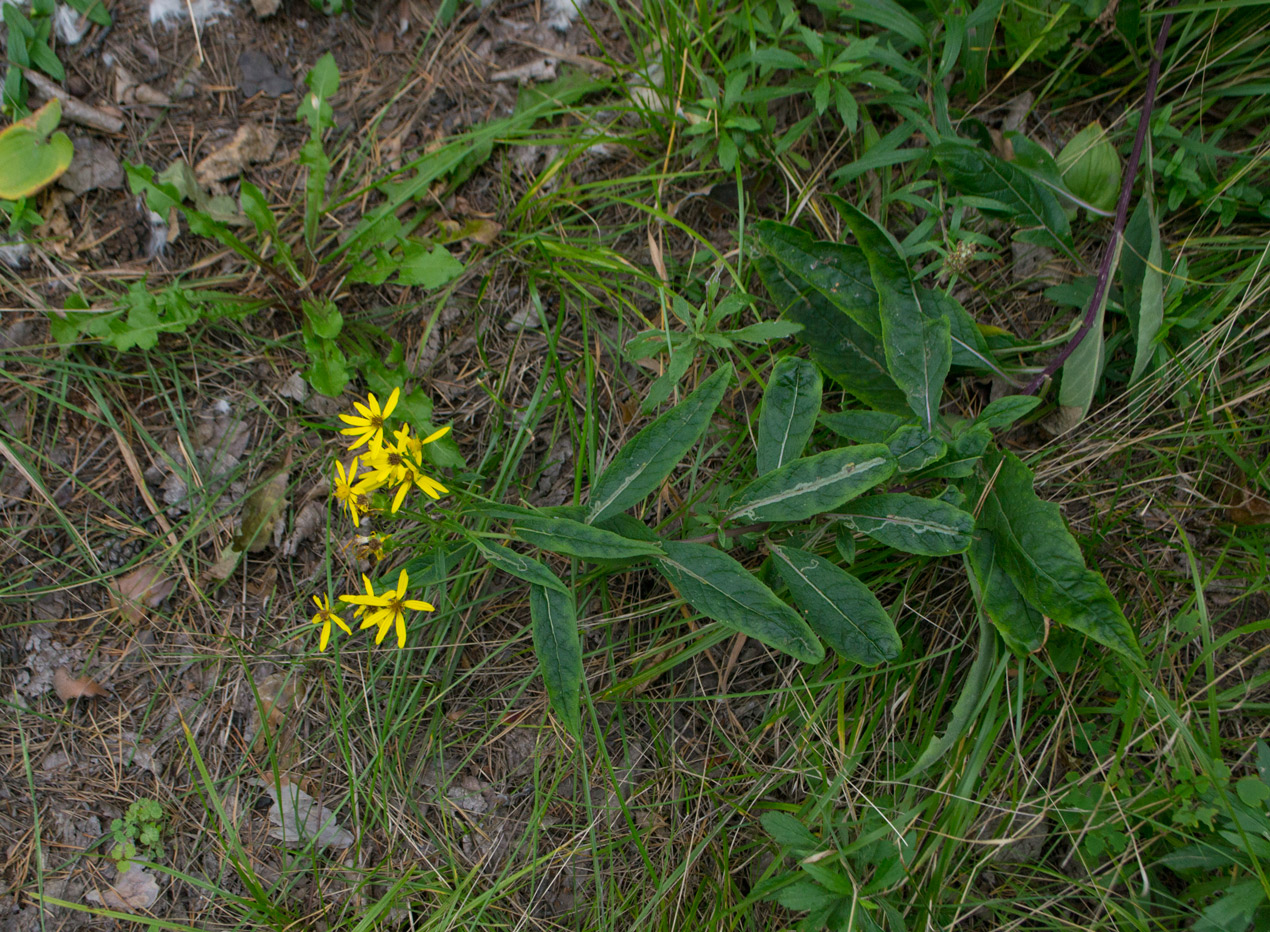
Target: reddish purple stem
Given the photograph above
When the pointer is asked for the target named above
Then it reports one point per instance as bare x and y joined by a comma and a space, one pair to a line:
1122, 214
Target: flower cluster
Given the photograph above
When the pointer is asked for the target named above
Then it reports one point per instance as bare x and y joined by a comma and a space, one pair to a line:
395, 466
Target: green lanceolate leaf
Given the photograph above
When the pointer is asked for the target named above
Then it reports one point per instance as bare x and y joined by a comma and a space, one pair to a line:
720, 588
1005, 411
914, 447
1024, 201
559, 650
839, 607
521, 566
1082, 371
837, 272
915, 335
787, 415
912, 524
1020, 625
644, 463
863, 426
848, 353
574, 539
814, 484
1044, 561
1142, 270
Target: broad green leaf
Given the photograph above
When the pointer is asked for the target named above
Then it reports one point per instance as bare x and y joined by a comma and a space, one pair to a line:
1021, 625
839, 607
844, 543
559, 650
1044, 561
324, 77
914, 447
787, 415
324, 317
574, 539
837, 272
1005, 411
328, 366
1030, 205
788, 831
31, 158
520, 566
1234, 909
912, 524
813, 485
645, 462
915, 336
863, 426
1082, 372
721, 588
848, 353
969, 348
427, 266
1091, 167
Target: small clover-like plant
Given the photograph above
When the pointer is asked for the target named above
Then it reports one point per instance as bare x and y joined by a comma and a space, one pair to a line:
139, 834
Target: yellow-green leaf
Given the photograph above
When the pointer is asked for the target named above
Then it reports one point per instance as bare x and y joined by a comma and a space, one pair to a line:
31, 158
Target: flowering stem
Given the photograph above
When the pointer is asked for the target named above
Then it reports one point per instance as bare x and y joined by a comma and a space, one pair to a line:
1122, 214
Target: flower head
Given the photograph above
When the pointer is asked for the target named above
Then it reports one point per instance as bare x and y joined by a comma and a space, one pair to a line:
325, 617
368, 423
388, 608
352, 492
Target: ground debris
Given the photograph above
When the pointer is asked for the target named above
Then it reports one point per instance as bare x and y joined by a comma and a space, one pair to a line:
133, 890
69, 688
299, 819
145, 587
251, 143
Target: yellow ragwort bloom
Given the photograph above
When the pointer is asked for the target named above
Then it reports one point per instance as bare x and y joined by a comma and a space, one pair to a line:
351, 492
325, 617
353, 599
388, 608
368, 424
401, 465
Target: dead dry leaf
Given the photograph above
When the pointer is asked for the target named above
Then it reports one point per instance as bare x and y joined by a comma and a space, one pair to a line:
309, 520
145, 587
261, 513
299, 819
94, 166
477, 229
225, 564
252, 143
69, 688
134, 890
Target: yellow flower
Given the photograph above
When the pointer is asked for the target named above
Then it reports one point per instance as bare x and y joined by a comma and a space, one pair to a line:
360, 600
325, 617
389, 608
352, 492
389, 464
369, 426
430, 487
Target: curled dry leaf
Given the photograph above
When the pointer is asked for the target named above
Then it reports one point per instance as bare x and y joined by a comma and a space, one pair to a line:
252, 143
68, 688
134, 890
298, 819
261, 513
277, 695
145, 587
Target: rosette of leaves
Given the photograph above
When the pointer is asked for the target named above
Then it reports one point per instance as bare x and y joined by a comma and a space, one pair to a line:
893, 470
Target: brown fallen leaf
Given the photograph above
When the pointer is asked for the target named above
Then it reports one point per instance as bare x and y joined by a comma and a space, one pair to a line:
134, 890
252, 143
69, 688
477, 229
145, 587
298, 819
261, 512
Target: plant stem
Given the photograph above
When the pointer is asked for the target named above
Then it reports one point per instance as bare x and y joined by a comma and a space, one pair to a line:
1122, 214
